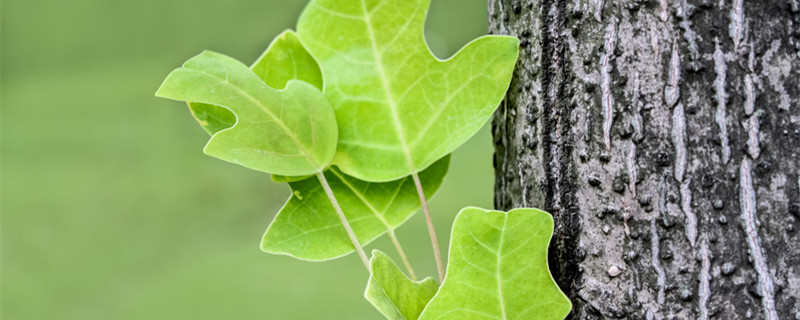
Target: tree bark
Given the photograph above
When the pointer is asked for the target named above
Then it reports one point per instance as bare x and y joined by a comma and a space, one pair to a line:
664, 137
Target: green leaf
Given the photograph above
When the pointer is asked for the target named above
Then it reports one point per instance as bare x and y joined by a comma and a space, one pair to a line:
307, 226
400, 108
288, 132
396, 296
498, 269
285, 59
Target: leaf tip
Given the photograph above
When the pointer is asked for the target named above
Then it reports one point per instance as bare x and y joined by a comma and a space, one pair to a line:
158, 93
286, 33
165, 87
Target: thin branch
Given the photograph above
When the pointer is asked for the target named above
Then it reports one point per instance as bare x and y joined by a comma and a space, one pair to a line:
431, 230
346, 224
402, 255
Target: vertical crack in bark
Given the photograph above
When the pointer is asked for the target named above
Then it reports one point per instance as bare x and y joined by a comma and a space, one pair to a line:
679, 141
704, 291
748, 203
598, 9
610, 42
721, 68
736, 27
750, 96
632, 169
636, 111
751, 125
661, 277
686, 207
672, 91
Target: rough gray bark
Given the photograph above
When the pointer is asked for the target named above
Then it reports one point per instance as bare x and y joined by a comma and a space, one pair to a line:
664, 136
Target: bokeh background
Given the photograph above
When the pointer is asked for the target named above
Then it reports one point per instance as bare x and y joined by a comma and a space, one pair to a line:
110, 210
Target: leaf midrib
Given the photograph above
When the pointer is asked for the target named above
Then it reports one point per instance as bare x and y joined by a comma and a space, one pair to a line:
387, 91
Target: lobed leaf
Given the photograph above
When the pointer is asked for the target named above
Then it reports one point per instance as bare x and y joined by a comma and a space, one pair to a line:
396, 296
288, 132
307, 226
498, 269
284, 59
399, 107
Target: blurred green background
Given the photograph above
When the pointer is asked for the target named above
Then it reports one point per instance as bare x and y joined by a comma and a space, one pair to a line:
109, 208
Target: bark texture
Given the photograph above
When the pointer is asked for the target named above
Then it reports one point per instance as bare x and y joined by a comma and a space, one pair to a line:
664, 137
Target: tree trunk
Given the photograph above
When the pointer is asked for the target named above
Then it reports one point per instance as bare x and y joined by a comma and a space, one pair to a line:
664, 137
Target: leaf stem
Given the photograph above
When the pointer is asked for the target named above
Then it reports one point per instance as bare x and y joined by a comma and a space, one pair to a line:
346, 224
431, 231
403, 255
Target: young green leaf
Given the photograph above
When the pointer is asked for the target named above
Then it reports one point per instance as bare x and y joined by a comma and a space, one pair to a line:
285, 59
396, 296
498, 269
399, 107
308, 228
288, 132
